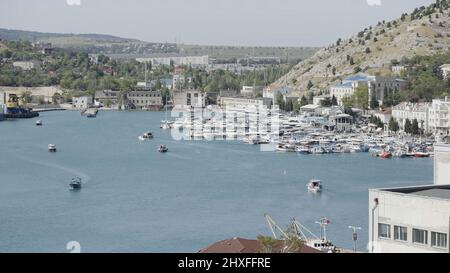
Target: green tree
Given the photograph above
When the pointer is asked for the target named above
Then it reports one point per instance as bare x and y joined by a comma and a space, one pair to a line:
393, 125
303, 101
269, 244
326, 102
310, 85
374, 104
408, 126
361, 97
415, 127
56, 98
26, 97
334, 100
280, 101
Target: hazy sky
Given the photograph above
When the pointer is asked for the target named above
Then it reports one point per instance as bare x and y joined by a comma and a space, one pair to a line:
218, 22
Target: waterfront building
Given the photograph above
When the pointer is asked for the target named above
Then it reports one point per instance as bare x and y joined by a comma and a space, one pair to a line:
251, 90
413, 219
439, 117
166, 83
145, 99
179, 81
445, 70
105, 96
380, 86
272, 93
82, 102
411, 111
192, 98
342, 122
243, 103
201, 61
311, 108
384, 115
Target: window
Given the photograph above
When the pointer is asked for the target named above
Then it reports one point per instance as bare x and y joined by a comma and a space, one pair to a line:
384, 231
420, 236
400, 233
438, 239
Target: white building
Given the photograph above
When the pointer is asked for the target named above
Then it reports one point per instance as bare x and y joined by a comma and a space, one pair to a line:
411, 111
445, 70
398, 69
82, 102
317, 100
413, 219
145, 99
177, 60
381, 86
439, 118
192, 98
26, 65
179, 81
243, 103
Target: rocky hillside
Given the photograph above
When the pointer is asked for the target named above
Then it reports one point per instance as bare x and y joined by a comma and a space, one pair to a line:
424, 32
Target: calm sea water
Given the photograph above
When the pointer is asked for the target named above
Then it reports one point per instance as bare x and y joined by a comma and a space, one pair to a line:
137, 200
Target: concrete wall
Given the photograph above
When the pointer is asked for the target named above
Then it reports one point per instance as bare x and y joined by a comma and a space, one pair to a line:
410, 211
442, 164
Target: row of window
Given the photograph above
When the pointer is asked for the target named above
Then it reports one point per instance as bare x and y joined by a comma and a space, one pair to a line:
145, 95
419, 236
145, 101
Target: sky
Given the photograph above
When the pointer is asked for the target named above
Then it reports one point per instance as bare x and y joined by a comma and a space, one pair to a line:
207, 22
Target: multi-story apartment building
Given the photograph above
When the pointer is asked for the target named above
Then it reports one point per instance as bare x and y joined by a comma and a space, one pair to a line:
411, 111
145, 99
439, 117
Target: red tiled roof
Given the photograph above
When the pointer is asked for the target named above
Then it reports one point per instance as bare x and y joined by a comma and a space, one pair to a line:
240, 245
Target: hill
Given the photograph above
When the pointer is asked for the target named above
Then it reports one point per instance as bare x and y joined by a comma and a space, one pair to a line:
124, 48
424, 32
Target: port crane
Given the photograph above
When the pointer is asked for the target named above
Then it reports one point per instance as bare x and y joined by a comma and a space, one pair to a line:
298, 231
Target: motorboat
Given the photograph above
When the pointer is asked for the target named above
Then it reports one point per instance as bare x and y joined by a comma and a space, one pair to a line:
52, 148
163, 149
421, 155
314, 186
146, 136
76, 184
303, 150
385, 154
39, 123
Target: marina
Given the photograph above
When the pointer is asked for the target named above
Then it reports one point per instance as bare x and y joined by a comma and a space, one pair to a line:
202, 191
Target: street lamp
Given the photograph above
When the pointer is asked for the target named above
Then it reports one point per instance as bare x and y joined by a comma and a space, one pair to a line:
355, 236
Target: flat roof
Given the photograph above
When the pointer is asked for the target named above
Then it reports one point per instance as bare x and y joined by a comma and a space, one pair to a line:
431, 191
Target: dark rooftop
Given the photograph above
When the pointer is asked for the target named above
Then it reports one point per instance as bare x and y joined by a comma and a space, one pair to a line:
433, 191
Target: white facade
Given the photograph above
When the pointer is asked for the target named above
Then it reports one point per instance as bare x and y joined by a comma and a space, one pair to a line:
380, 86
242, 103
145, 99
398, 69
409, 220
81, 102
317, 100
411, 111
26, 65
445, 70
189, 98
439, 118
177, 60
413, 219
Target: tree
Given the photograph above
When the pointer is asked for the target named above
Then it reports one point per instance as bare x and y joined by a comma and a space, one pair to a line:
303, 101
326, 102
56, 98
415, 127
280, 101
269, 244
333, 71
310, 85
393, 125
361, 97
352, 61
357, 69
408, 126
334, 100
374, 104
26, 97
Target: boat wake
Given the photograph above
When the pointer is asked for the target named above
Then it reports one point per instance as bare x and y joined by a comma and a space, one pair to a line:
86, 178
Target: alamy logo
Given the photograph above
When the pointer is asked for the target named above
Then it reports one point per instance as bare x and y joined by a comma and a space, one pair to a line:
73, 247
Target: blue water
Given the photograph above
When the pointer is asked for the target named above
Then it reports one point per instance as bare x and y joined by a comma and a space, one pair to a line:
137, 200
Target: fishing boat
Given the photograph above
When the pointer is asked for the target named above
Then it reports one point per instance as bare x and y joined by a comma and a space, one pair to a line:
146, 136
303, 150
286, 148
163, 149
75, 184
385, 154
52, 148
421, 155
314, 186
39, 123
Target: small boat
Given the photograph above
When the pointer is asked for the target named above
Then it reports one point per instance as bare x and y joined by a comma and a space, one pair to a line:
303, 150
75, 184
146, 136
163, 149
314, 186
385, 154
421, 155
39, 123
52, 148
